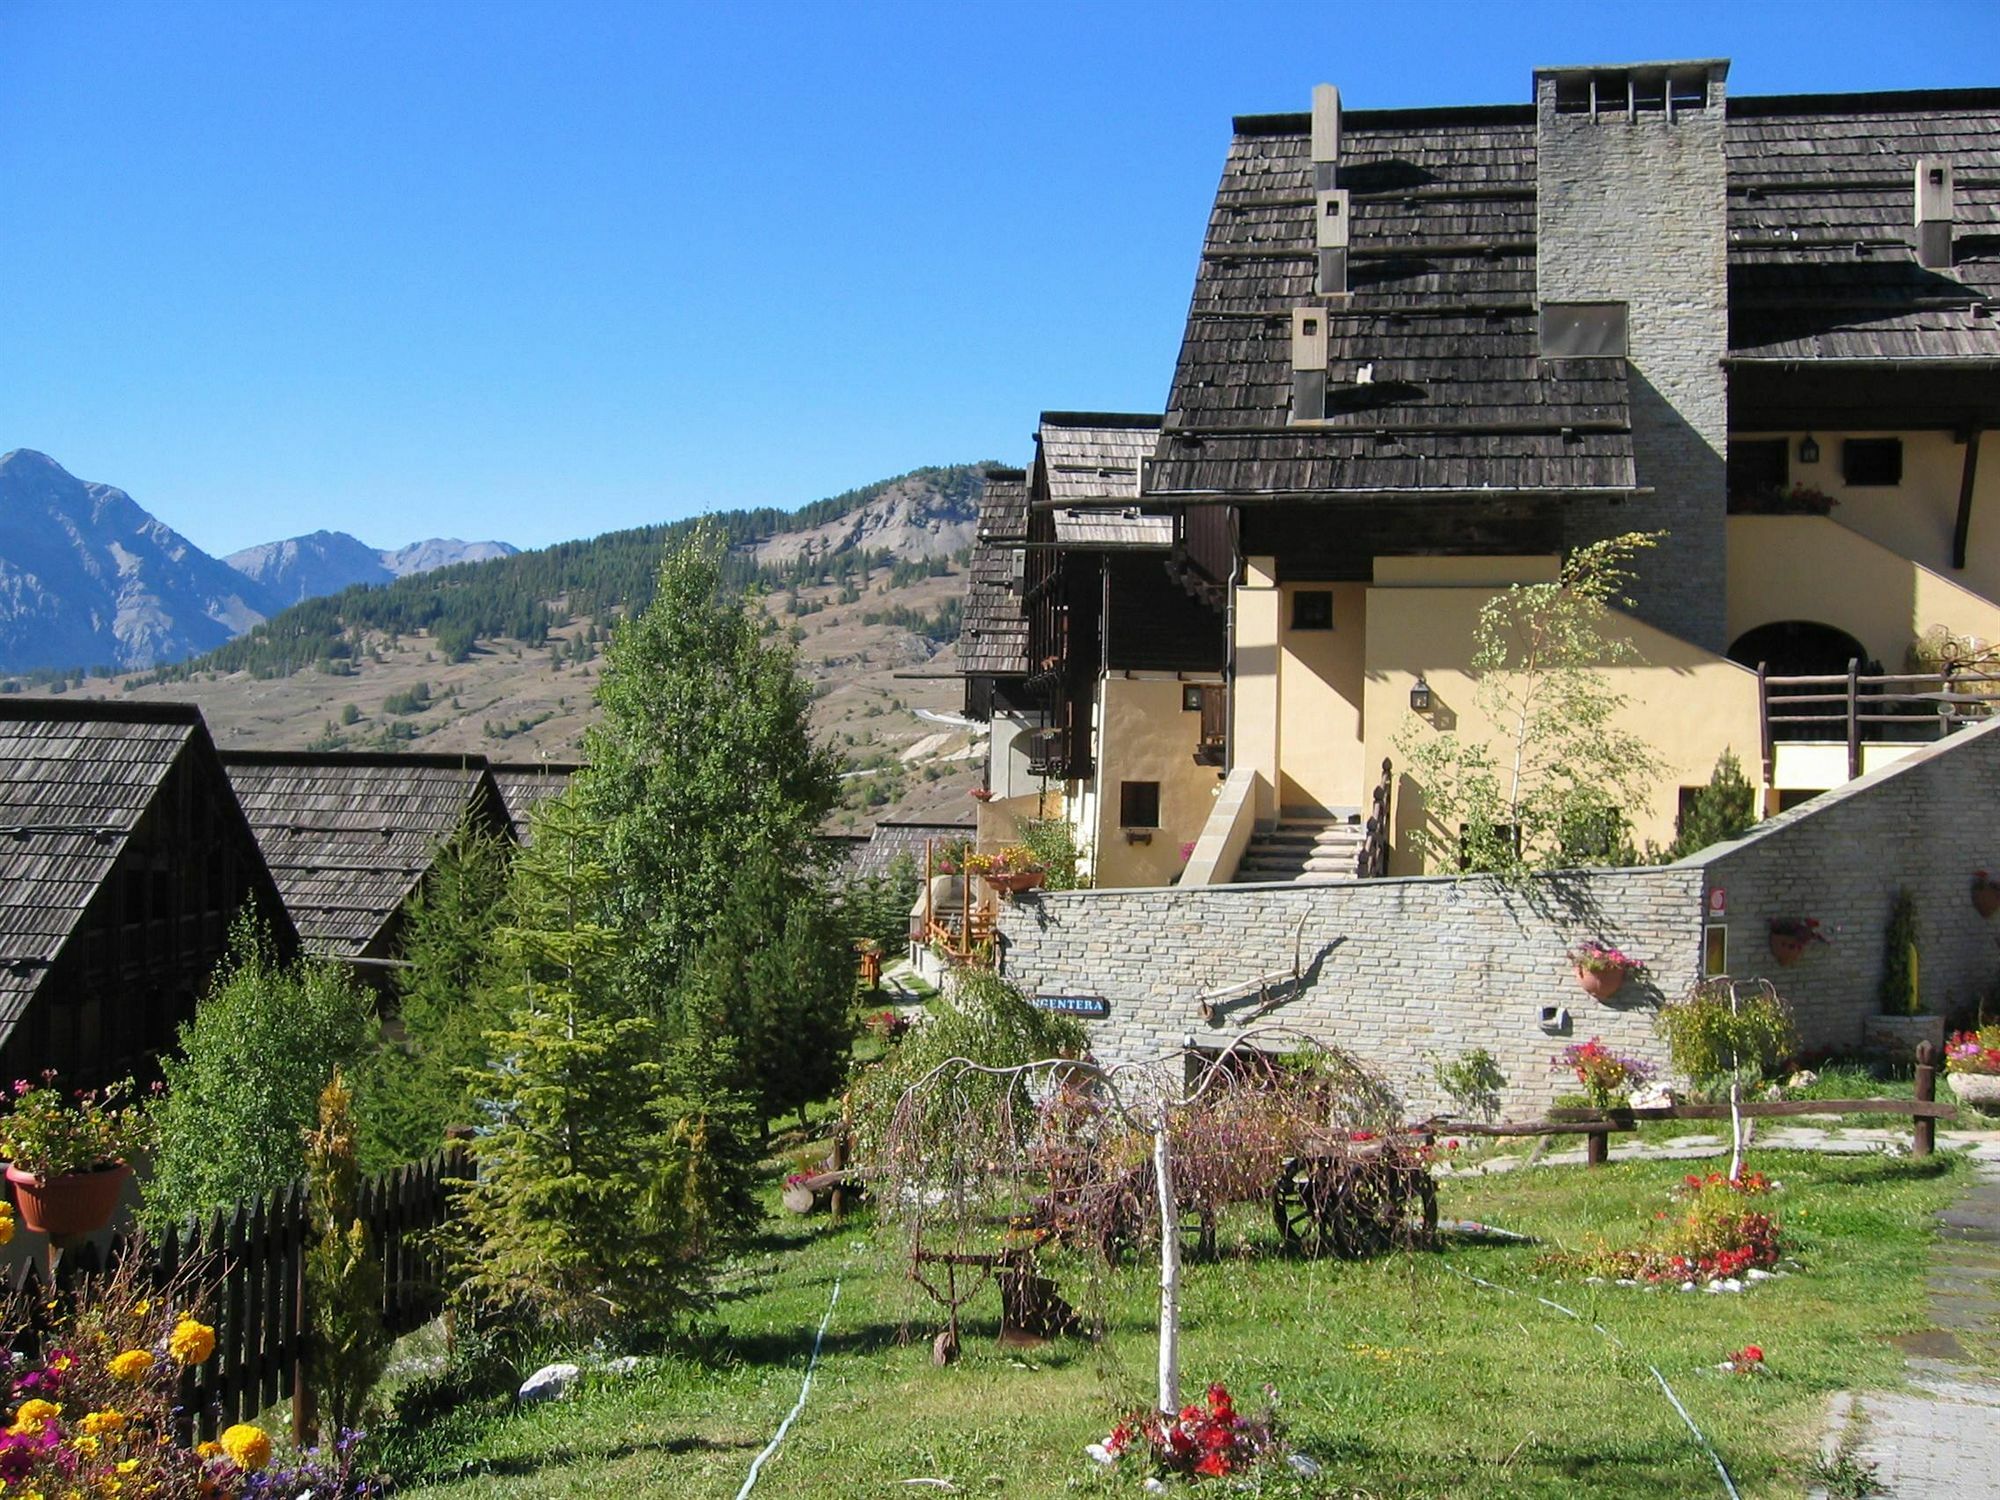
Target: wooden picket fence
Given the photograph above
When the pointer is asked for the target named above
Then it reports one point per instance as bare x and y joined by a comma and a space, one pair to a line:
249, 1263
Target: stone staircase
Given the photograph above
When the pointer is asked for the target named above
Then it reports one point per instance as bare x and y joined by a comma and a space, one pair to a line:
1305, 850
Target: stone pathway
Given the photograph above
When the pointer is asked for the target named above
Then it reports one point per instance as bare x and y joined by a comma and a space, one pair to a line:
1941, 1437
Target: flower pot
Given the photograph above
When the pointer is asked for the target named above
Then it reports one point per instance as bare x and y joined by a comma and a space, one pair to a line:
1015, 881
1986, 899
74, 1203
1982, 1089
1787, 949
1600, 984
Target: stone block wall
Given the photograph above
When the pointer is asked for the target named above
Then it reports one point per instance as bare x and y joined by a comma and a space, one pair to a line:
1396, 969
1634, 210
1924, 824
1400, 969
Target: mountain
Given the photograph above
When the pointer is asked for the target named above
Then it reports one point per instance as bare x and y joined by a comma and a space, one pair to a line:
325, 562
88, 576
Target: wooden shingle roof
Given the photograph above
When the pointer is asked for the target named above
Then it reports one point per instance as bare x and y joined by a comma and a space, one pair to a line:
1433, 380
1821, 200
891, 839
348, 836
1090, 457
993, 631
522, 784
75, 778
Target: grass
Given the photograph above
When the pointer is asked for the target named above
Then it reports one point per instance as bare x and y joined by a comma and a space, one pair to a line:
1401, 1376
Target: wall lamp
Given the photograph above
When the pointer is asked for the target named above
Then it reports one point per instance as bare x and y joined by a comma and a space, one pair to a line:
1808, 450
1420, 696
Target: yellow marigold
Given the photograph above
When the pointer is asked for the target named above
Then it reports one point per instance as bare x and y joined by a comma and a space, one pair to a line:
247, 1446
109, 1420
191, 1342
34, 1414
208, 1450
127, 1465
86, 1445
6, 1223
131, 1366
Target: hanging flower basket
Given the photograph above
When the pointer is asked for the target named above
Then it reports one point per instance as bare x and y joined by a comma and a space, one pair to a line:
1792, 936
74, 1203
1985, 893
1601, 969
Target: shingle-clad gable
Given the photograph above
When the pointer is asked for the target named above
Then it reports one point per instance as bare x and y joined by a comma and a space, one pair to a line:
523, 784
993, 632
349, 836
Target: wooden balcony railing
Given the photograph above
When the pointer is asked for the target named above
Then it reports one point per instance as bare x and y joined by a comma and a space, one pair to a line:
1895, 707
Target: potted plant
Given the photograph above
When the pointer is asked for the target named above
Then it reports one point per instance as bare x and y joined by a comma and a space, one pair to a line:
1985, 893
1012, 870
1791, 936
1972, 1062
1602, 969
1607, 1080
69, 1155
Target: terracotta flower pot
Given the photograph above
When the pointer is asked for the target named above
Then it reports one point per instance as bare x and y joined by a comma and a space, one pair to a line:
1016, 881
1787, 949
1986, 899
1600, 984
74, 1203
1982, 1089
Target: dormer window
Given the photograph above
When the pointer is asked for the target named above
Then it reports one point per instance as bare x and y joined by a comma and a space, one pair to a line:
1583, 330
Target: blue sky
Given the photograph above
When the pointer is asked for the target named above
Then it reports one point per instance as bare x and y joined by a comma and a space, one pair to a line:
532, 271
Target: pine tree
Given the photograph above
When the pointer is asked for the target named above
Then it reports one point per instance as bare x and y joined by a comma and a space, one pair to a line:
1724, 809
411, 1087
597, 1194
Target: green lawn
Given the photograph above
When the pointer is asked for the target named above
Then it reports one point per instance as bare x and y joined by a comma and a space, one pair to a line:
1402, 1377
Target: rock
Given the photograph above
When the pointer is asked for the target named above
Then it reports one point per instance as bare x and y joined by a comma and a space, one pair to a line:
1654, 1096
624, 1364
1304, 1467
549, 1383
1757, 1273
1805, 1078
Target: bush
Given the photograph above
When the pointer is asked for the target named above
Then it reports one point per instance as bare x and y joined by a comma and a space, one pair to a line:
1725, 809
246, 1085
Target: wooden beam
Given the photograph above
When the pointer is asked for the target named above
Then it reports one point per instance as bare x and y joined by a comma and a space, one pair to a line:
1963, 530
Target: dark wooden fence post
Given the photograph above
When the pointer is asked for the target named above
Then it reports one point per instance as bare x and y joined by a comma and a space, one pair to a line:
1597, 1147
838, 1162
1924, 1137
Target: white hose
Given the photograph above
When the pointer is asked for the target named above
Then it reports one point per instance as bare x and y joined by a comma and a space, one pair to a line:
805, 1388
1569, 1312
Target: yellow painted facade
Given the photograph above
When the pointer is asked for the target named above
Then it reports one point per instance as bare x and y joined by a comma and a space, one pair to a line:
1146, 735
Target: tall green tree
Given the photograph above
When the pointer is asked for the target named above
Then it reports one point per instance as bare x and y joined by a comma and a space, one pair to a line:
412, 1085
1550, 782
1724, 809
702, 765
245, 1085
598, 1196
775, 974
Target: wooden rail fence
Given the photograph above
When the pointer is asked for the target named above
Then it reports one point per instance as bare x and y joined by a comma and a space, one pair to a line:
250, 1264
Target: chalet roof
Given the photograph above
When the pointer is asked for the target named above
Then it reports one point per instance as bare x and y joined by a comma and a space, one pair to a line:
1122, 529
1433, 380
75, 778
1821, 201
892, 838
1433, 376
522, 784
1088, 456
993, 632
348, 836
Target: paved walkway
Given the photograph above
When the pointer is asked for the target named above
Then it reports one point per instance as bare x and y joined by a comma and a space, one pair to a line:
1941, 1436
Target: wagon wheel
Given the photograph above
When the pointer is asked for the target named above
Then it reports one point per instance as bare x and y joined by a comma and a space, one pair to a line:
1295, 1204
1388, 1202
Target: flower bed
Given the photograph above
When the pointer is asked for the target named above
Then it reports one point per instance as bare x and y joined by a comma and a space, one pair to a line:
1717, 1238
1211, 1441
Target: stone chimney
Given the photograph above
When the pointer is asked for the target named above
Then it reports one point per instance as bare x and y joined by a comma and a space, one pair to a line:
1631, 246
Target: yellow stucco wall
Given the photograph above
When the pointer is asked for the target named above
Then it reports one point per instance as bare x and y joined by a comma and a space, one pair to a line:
1319, 702
1915, 518
1253, 726
1148, 736
1688, 704
1819, 568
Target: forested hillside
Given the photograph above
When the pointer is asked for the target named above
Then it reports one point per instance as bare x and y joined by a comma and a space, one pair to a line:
522, 598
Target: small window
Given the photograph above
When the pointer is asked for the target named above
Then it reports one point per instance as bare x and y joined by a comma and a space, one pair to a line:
1312, 609
1874, 461
1758, 468
1139, 804
1190, 698
1583, 330
1715, 949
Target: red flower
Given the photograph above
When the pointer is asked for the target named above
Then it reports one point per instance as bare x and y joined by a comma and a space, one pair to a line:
1752, 1353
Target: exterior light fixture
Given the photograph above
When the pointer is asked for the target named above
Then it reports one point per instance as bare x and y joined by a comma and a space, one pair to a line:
1420, 696
1808, 450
